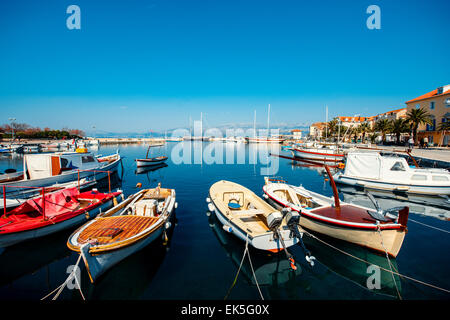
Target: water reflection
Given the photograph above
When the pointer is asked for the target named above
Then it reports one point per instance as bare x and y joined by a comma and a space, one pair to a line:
352, 269
272, 271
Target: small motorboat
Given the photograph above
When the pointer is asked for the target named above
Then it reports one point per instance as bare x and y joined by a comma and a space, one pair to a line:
374, 229
150, 161
124, 229
372, 170
53, 212
251, 219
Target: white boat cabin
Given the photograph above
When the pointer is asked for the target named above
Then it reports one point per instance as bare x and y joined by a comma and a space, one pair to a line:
373, 166
39, 166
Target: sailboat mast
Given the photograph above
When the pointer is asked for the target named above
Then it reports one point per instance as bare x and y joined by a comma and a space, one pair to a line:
201, 125
254, 125
326, 122
268, 121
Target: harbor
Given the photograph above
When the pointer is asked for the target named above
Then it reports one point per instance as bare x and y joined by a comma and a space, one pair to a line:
196, 233
224, 159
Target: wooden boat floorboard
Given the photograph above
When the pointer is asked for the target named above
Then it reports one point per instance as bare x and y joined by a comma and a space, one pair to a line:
107, 230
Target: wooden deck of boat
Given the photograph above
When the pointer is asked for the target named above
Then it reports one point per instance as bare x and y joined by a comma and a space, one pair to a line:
347, 213
106, 230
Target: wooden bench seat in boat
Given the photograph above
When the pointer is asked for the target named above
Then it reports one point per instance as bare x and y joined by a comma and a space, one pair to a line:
250, 212
106, 230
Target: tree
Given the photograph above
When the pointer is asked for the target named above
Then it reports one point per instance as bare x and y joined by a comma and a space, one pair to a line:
443, 127
400, 126
384, 126
416, 117
364, 128
332, 127
355, 131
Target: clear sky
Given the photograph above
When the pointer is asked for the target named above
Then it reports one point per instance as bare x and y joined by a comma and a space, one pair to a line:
150, 65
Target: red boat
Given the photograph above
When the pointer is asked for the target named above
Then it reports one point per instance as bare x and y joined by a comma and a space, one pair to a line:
52, 213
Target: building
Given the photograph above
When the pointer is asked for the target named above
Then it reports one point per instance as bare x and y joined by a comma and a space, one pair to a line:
296, 134
351, 121
316, 129
437, 104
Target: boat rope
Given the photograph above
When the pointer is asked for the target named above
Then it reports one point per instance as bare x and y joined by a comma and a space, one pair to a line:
384, 269
64, 284
246, 252
289, 256
388, 260
427, 225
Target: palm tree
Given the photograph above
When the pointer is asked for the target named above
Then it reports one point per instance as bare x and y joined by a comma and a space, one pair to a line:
417, 117
356, 130
400, 126
373, 137
384, 126
444, 127
332, 127
364, 128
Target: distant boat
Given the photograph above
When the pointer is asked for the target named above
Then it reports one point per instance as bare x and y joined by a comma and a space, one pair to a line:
372, 170
318, 154
349, 222
123, 230
150, 161
264, 139
52, 213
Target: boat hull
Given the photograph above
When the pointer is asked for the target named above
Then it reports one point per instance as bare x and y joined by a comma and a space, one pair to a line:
391, 239
395, 187
264, 242
328, 155
99, 262
149, 162
10, 239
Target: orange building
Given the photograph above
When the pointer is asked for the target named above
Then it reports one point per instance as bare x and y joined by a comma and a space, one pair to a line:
437, 104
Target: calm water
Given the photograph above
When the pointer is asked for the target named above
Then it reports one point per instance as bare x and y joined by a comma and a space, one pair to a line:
201, 259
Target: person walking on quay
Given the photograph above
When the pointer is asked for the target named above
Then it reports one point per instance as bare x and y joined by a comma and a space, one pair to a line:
411, 142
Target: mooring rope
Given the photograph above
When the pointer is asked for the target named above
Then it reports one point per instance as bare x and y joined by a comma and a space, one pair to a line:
389, 261
246, 252
427, 225
369, 263
64, 284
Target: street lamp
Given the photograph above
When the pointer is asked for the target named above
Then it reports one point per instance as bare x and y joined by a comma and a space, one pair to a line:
12, 127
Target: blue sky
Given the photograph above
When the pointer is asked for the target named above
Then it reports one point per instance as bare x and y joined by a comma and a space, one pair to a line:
150, 65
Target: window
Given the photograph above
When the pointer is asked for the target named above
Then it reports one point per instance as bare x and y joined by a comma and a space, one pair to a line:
432, 105
64, 162
439, 178
420, 177
86, 159
418, 106
398, 166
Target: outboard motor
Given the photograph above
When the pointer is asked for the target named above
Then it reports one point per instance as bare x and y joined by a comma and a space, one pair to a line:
274, 220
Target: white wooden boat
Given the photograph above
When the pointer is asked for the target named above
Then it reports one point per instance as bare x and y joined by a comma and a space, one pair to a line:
151, 161
123, 230
42, 170
374, 171
252, 219
349, 222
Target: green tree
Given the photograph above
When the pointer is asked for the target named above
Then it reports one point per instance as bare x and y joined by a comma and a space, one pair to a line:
364, 128
400, 126
384, 126
443, 127
416, 117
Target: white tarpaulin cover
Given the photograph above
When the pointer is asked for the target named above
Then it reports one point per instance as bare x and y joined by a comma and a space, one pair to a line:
38, 165
363, 165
